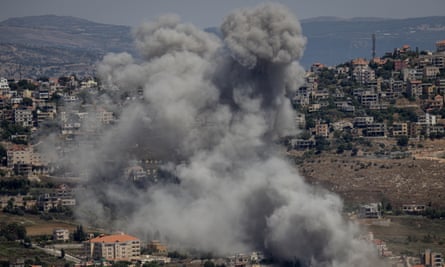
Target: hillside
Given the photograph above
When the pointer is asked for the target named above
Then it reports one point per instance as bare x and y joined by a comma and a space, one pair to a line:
54, 45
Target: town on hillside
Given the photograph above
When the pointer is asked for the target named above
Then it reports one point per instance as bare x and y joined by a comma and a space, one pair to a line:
399, 97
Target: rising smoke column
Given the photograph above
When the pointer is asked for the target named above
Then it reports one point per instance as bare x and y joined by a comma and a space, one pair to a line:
211, 109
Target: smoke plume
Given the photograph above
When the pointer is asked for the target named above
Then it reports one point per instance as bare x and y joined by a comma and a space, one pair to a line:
211, 109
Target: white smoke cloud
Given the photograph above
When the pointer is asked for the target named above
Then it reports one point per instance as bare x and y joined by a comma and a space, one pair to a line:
268, 32
211, 110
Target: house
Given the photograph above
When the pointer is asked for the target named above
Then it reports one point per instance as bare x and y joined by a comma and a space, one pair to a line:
157, 248
369, 211
61, 234
413, 208
117, 247
26, 202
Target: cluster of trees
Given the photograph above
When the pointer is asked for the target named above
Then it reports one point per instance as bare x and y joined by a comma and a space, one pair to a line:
12, 232
14, 186
9, 129
79, 234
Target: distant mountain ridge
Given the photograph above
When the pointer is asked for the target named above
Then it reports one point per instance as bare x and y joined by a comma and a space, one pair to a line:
53, 45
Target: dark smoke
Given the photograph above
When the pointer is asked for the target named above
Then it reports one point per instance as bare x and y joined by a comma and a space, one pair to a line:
211, 110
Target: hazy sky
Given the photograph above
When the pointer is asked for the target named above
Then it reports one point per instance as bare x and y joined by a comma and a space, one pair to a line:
206, 13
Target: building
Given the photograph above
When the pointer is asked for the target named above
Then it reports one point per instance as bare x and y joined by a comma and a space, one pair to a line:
413, 208
118, 247
4, 86
363, 74
433, 259
104, 117
369, 211
61, 234
302, 144
63, 196
25, 160
414, 88
440, 46
400, 128
427, 119
322, 129
155, 247
26, 202
430, 72
23, 117
239, 260
362, 122
368, 98
45, 112
375, 130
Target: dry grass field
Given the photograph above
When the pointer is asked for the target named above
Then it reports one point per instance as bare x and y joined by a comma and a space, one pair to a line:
35, 225
418, 178
411, 235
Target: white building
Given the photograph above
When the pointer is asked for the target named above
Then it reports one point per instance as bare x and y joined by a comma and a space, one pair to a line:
61, 234
4, 86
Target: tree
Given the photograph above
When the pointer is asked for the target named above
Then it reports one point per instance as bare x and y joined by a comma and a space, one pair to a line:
79, 235
209, 263
3, 151
402, 140
321, 143
27, 101
13, 231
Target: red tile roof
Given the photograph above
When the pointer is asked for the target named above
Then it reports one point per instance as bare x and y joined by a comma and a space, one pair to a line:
113, 238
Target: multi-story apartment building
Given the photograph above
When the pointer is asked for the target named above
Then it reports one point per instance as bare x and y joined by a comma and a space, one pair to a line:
363, 74
19, 154
430, 72
4, 86
23, 117
375, 130
45, 112
361, 122
104, 117
414, 88
321, 129
433, 259
440, 46
118, 247
400, 128
368, 98
62, 196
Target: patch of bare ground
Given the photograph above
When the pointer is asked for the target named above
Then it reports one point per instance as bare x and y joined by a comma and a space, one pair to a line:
418, 178
35, 225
